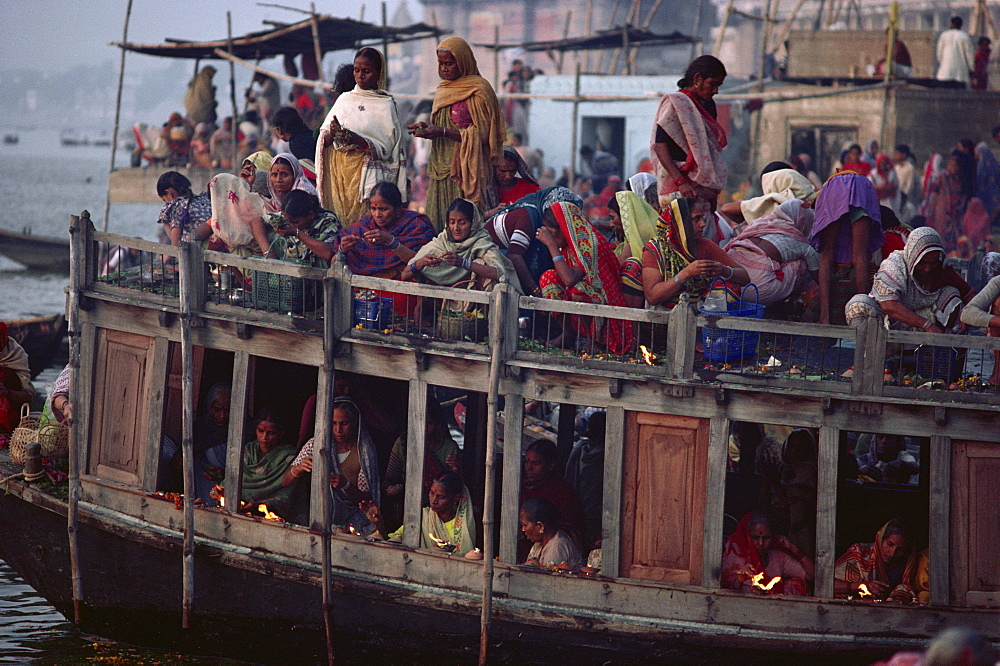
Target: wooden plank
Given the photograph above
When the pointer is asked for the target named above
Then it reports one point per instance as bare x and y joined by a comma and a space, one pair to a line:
715, 496
826, 511
266, 265
157, 403
775, 326
592, 310
510, 502
415, 441
138, 244
939, 519
874, 359
959, 523
133, 296
614, 460
343, 306
287, 322
418, 289
681, 335
943, 340
322, 451
241, 403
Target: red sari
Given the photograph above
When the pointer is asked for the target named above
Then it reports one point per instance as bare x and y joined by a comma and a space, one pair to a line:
741, 553
588, 251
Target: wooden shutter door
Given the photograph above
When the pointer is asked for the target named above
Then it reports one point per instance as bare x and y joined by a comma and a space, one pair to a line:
664, 497
975, 524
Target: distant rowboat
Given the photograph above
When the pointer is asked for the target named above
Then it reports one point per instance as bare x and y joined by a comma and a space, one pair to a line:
36, 252
41, 338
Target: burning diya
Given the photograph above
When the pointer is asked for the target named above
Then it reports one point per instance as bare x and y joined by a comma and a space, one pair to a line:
770, 584
648, 357
266, 514
446, 546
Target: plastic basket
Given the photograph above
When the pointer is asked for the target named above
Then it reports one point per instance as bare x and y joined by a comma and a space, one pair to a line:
725, 345
280, 292
372, 314
944, 363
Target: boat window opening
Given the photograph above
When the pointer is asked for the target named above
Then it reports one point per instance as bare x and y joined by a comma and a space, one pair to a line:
769, 526
883, 495
212, 375
562, 475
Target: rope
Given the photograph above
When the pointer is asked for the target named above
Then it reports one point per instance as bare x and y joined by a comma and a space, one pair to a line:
11, 477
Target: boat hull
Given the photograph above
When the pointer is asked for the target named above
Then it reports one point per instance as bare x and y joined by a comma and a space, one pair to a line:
41, 338
36, 252
138, 184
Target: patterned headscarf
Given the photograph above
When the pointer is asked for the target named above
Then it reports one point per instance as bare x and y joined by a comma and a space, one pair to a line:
991, 266
300, 182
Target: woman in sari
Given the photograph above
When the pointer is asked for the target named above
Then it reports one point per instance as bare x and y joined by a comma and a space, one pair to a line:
284, 174
984, 309
988, 179
440, 452
184, 214
514, 179
847, 229
585, 270
680, 260
776, 253
381, 243
360, 142
914, 288
210, 440
463, 251
634, 220
779, 186
253, 171
16, 388
880, 566
945, 203
886, 182
235, 211
354, 474
551, 546
755, 549
265, 462
687, 140
447, 517
467, 132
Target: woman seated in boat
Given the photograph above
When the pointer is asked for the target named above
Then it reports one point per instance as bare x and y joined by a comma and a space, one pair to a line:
441, 453
680, 260
514, 179
307, 232
514, 230
16, 388
254, 171
184, 215
461, 253
776, 253
984, 308
551, 546
354, 475
914, 288
385, 240
284, 175
361, 141
236, 209
754, 549
876, 568
585, 270
446, 521
540, 479
633, 221
779, 184
210, 439
266, 460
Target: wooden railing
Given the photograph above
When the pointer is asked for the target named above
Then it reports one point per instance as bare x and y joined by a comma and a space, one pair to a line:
786, 355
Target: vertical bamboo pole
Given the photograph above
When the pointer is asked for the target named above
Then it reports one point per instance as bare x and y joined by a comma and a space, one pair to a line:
722, 29
694, 28
118, 112
496, 58
77, 249
761, 53
611, 22
573, 129
232, 93
890, 49
645, 26
562, 54
590, 28
385, 42
317, 49
188, 273
499, 300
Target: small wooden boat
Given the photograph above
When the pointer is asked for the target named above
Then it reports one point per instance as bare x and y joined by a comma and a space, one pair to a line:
11, 139
39, 253
41, 338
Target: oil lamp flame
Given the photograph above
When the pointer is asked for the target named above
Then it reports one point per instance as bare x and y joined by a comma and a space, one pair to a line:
222, 498
647, 357
770, 584
442, 544
268, 515
353, 531
863, 591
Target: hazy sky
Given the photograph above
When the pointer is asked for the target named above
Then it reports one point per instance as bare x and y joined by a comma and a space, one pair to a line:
54, 35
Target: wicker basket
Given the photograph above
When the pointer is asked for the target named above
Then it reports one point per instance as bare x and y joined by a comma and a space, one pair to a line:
462, 325
35, 427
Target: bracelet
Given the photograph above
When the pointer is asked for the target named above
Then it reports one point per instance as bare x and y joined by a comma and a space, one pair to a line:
679, 281
730, 272
927, 324
394, 243
558, 257
466, 264
413, 268
293, 473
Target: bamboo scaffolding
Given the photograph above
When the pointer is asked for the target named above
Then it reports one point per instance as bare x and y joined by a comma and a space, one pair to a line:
190, 269
232, 87
385, 41
77, 285
118, 113
317, 51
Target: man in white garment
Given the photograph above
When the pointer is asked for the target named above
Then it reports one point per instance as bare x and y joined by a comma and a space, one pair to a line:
955, 54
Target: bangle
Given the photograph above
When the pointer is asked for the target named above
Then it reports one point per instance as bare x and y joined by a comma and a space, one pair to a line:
394, 243
730, 272
927, 324
413, 268
679, 281
558, 257
466, 264
292, 470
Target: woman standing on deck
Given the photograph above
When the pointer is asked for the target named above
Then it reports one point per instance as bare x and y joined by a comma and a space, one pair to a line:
467, 130
687, 139
360, 142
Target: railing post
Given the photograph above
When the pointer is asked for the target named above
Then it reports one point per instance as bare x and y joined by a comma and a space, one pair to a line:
681, 338
193, 255
88, 251
869, 358
342, 313
191, 272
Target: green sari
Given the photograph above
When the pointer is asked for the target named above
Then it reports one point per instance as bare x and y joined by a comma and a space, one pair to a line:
262, 477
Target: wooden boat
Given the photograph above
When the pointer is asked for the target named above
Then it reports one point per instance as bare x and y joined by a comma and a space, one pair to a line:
133, 566
41, 337
36, 252
11, 139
